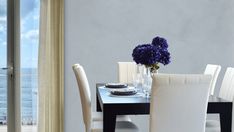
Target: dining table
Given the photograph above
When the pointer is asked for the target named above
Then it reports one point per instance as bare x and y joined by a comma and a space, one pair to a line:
112, 105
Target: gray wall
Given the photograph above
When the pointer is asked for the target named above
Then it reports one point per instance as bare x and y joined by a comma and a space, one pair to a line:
99, 33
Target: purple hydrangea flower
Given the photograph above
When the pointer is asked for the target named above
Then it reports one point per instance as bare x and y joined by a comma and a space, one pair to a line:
146, 54
160, 43
165, 57
152, 54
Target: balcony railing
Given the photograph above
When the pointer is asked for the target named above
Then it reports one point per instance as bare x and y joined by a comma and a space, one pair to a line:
28, 100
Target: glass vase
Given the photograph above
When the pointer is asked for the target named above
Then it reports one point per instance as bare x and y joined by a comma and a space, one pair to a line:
147, 81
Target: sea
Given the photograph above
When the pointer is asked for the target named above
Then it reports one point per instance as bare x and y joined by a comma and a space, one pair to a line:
29, 98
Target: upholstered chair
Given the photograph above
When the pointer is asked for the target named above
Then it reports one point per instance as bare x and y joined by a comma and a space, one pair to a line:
126, 71
179, 103
227, 93
93, 120
214, 71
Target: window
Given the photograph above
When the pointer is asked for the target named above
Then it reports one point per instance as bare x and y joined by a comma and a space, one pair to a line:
29, 32
29, 58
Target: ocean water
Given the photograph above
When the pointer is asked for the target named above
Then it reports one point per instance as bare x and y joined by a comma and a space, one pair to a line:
29, 87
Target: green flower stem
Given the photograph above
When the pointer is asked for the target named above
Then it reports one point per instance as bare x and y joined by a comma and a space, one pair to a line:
153, 67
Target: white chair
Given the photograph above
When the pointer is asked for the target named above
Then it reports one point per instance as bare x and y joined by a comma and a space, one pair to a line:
214, 71
227, 93
92, 123
227, 88
179, 103
126, 71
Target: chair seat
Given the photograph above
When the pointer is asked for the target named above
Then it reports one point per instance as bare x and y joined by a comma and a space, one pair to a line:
212, 123
212, 129
121, 126
213, 126
98, 116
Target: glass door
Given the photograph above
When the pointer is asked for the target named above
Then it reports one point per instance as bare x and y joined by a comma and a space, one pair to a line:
29, 19
3, 65
19, 31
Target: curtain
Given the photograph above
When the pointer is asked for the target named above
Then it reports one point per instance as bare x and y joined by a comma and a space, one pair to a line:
51, 66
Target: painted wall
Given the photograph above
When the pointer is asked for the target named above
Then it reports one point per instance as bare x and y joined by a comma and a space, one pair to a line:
99, 33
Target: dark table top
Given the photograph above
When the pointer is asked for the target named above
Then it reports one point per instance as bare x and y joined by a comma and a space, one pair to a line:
108, 98
105, 97
113, 105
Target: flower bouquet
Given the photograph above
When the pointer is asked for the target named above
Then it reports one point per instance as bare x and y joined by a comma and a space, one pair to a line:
152, 54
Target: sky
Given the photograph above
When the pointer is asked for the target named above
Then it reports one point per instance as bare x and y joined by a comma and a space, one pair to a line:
29, 14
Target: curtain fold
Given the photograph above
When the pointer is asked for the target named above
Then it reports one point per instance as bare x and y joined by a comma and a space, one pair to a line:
51, 66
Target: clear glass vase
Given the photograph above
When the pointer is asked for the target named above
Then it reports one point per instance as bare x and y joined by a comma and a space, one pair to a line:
147, 82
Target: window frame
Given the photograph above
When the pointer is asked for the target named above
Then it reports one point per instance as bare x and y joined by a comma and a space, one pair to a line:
13, 67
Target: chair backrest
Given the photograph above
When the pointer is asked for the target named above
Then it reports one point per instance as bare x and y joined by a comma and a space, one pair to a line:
227, 86
126, 71
85, 94
214, 71
179, 103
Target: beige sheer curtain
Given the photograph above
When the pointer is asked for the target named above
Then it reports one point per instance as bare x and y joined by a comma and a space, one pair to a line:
51, 66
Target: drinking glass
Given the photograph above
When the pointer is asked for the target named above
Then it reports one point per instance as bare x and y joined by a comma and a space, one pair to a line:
137, 81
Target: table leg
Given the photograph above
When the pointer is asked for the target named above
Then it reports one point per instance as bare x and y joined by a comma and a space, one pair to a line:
98, 106
226, 121
109, 121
